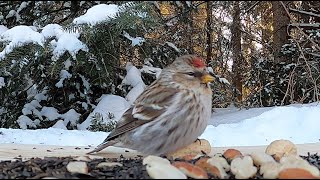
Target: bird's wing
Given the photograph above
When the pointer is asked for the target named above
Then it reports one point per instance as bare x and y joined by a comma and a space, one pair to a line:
148, 106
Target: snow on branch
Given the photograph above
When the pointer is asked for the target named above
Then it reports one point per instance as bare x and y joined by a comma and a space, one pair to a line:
97, 14
134, 41
304, 12
19, 36
305, 24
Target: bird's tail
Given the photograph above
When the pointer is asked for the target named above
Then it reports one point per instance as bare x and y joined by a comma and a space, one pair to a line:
102, 146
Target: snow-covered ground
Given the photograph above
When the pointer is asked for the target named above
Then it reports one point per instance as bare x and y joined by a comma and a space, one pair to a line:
232, 127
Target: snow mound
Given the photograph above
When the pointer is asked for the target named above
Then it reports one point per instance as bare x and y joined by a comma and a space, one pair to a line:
97, 14
109, 104
19, 36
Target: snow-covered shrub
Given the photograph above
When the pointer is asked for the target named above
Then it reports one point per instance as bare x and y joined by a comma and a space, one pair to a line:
98, 124
293, 81
73, 64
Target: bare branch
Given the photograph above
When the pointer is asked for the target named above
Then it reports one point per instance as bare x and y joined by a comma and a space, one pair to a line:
251, 7
316, 25
287, 11
315, 89
304, 12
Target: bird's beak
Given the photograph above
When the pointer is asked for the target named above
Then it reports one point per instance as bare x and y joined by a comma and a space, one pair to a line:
207, 78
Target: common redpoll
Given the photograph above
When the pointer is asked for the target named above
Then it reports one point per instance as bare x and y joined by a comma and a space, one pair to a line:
169, 114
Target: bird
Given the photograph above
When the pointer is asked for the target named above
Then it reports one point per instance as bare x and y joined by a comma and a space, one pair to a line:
171, 113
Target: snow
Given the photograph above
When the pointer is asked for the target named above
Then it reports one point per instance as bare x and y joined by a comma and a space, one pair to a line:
41, 96
22, 6
97, 14
133, 78
297, 123
227, 127
25, 121
64, 41
60, 125
11, 14
173, 46
51, 136
52, 30
68, 42
18, 36
3, 29
135, 92
134, 41
50, 112
63, 75
113, 104
224, 80
2, 83
151, 70
71, 116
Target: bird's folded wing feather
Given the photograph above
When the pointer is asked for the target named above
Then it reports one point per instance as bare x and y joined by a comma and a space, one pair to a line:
148, 106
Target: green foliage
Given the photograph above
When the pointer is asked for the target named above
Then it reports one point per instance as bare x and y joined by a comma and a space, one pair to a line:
99, 124
31, 69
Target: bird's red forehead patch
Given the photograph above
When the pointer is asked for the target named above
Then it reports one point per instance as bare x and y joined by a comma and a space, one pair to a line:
198, 62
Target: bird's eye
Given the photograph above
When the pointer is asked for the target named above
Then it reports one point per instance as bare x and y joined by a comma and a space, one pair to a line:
194, 74
190, 73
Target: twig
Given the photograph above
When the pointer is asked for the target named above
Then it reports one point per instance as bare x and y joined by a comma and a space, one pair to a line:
287, 11
304, 12
316, 25
251, 7
302, 54
289, 85
167, 20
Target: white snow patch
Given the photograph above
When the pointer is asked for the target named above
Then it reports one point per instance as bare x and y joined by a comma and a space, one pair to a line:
151, 70
68, 42
25, 122
60, 124
67, 64
108, 104
134, 41
71, 116
52, 136
224, 80
52, 30
3, 29
22, 6
133, 78
18, 36
41, 96
2, 83
63, 75
297, 123
254, 127
170, 44
134, 93
97, 14
50, 112
11, 14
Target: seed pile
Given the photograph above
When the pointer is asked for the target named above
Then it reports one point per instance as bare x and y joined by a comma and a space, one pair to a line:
124, 168
280, 160
38, 168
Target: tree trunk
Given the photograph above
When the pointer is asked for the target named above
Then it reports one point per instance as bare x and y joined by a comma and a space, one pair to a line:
236, 51
280, 35
209, 31
266, 22
190, 30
